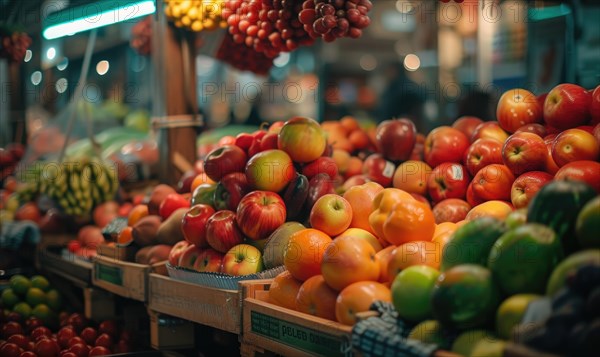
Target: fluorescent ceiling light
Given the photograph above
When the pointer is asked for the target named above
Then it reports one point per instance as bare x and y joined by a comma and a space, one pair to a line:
100, 19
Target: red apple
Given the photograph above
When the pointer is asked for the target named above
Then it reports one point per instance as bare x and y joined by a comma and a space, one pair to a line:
595, 107
209, 261
445, 144
99, 351
171, 203
396, 139
550, 166
596, 133
105, 212
467, 125
260, 213
194, 224
524, 152
222, 231
109, 327
269, 142
471, 198
270, 170
379, 170
451, 210
447, 180
318, 186
567, 106
19, 340
483, 152
574, 145
541, 99
224, 160
535, 128
89, 335
588, 128
11, 328
184, 185
355, 180
64, 335
80, 349
302, 139
189, 256
518, 107
78, 321
331, 214
526, 186
489, 129
177, 251
242, 259
493, 182
323, 164
586, 171
46, 347
28, 212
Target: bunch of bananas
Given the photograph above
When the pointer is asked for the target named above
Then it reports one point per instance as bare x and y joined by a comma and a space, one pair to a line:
77, 187
196, 15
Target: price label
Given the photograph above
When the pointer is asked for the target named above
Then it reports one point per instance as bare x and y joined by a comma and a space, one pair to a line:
113, 275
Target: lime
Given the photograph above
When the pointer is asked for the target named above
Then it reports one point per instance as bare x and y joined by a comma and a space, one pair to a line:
40, 282
9, 298
44, 313
35, 297
587, 225
54, 300
465, 297
523, 258
430, 331
471, 242
23, 309
511, 312
411, 290
488, 347
20, 284
466, 341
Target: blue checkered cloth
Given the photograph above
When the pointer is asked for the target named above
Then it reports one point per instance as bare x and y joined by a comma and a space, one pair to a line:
386, 335
15, 234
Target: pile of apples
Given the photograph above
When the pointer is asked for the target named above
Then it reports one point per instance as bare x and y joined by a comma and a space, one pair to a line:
76, 337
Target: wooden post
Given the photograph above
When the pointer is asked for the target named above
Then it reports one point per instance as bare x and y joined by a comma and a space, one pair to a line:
175, 83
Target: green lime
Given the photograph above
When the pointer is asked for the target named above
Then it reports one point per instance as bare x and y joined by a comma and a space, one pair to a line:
465, 297
54, 300
23, 309
40, 282
466, 341
20, 284
411, 290
44, 313
35, 297
511, 312
587, 225
430, 331
472, 242
9, 298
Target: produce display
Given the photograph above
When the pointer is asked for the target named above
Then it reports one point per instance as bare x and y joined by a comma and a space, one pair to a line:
196, 15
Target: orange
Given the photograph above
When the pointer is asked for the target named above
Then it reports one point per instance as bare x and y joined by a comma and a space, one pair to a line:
138, 212
304, 253
125, 236
414, 253
411, 176
316, 298
384, 256
283, 290
443, 238
494, 208
354, 167
443, 228
360, 199
199, 180
409, 221
348, 260
358, 297
349, 123
359, 139
341, 159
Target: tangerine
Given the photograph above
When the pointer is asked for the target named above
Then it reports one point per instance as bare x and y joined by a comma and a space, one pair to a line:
304, 253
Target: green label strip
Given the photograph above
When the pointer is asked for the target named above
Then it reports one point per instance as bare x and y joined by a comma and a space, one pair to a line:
113, 275
294, 335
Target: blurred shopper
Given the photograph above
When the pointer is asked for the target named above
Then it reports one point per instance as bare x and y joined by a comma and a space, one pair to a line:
402, 97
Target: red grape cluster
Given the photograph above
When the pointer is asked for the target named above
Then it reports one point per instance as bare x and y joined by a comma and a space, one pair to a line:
141, 36
267, 26
14, 45
242, 57
331, 19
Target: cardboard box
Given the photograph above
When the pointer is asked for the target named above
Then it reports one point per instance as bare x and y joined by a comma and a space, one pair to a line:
286, 332
167, 332
212, 307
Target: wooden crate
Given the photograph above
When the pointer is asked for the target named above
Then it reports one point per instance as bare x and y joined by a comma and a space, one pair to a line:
68, 266
212, 307
167, 332
126, 253
125, 279
285, 332
99, 304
